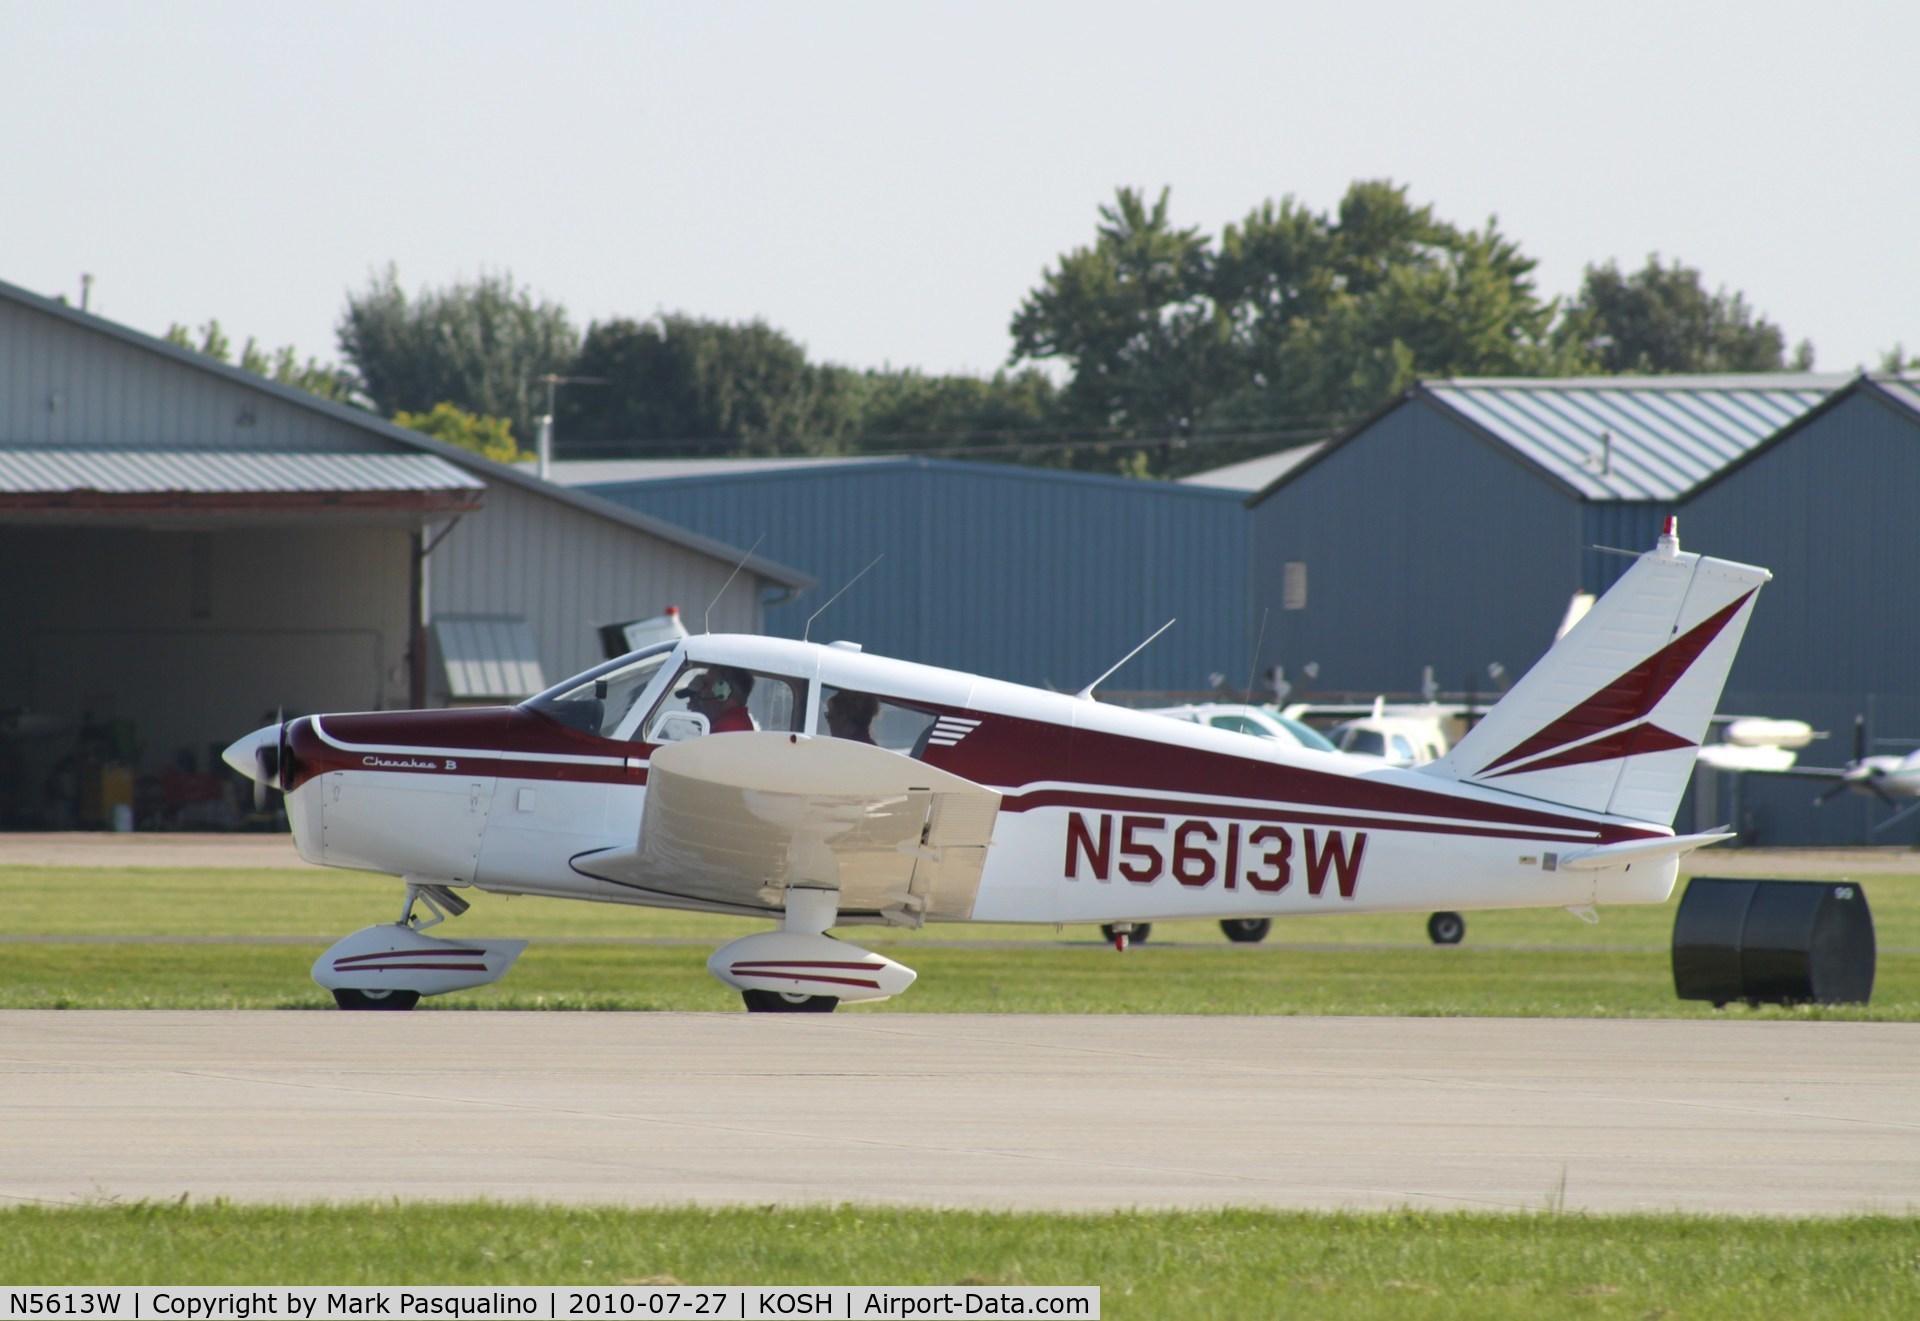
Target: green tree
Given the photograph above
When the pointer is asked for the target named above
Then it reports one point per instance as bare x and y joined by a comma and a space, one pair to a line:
482, 346
677, 384
1133, 317
1661, 319
489, 437
1003, 416
1297, 323
281, 365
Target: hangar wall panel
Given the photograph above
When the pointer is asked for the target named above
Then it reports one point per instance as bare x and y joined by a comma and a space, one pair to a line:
1424, 544
1023, 574
65, 384
567, 572
1830, 510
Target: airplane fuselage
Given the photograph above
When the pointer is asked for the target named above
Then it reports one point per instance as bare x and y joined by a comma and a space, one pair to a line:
1105, 814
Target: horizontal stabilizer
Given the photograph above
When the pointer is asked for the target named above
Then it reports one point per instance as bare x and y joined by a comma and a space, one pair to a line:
1639, 850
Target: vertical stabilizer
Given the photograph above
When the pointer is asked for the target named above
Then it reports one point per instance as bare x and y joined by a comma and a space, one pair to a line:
1609, 720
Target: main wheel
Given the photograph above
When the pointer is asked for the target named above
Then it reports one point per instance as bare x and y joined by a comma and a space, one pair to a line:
787, 1002
1247, 930
1137, 936
348, 998
1446, 928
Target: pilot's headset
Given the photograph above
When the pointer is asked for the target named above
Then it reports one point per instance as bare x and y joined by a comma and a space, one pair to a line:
719, 687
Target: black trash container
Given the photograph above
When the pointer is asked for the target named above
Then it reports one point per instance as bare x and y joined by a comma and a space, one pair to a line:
1773, 942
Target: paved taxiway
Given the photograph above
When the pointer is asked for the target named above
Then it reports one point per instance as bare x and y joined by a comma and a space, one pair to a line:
1029, 1111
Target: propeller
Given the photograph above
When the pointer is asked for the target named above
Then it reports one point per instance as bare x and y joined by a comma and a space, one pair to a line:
270, 761
1856, 772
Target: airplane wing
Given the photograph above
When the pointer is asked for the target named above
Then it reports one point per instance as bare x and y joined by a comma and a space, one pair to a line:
738, 819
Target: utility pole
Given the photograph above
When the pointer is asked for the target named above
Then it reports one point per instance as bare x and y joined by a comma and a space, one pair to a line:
544, 444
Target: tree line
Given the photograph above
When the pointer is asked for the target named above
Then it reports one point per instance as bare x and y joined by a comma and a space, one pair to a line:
1154, 349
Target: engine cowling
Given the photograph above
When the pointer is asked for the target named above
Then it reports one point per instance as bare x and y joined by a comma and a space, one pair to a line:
799, 963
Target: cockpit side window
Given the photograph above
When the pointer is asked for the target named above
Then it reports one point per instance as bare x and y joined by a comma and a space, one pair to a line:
597, 701
1369, 741
727, 699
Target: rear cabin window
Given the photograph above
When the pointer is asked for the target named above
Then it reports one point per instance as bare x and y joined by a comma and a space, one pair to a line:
868, 718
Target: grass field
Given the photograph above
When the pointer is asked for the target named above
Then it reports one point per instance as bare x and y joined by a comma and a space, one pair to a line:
178, 939
1219, 1264
199, 945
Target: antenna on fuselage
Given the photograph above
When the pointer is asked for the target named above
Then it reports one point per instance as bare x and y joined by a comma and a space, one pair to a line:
837, 595
1253, 661
1087, 692
706, 620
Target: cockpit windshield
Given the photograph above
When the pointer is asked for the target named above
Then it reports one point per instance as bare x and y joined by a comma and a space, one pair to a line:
597, 701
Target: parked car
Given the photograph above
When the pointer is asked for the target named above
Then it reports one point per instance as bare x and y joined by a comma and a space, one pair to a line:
1254, 720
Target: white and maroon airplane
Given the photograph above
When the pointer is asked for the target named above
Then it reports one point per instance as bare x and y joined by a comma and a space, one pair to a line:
821, 787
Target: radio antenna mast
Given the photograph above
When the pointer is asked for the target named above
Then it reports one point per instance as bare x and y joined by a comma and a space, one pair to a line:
1087, 692
837, 595
706, 620
1253, 662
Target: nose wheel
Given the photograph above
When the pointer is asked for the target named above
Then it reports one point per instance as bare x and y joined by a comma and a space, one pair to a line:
350, 998
785, 1002
1446, 928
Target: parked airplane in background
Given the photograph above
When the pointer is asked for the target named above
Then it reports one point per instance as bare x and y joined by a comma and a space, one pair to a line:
821, 787
1891, 779
1757, 743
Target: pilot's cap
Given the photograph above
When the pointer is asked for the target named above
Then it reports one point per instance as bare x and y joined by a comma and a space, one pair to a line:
721, 683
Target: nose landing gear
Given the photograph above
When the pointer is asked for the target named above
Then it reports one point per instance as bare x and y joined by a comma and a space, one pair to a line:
392, 966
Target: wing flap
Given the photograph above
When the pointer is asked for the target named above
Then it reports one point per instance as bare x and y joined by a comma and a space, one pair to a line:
742, 818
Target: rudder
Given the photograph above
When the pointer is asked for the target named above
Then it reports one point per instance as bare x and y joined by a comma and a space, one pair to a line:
1609, 720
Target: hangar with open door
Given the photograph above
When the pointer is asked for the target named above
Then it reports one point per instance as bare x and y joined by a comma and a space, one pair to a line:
189, 548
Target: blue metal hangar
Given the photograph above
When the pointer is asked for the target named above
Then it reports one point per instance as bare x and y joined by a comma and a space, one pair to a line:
191, 547
1032, 575
1452, 528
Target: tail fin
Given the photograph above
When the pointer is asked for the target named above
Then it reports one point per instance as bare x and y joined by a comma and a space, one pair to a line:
1610, 718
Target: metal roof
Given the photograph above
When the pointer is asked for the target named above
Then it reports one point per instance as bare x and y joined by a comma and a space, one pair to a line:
589, 472
1256, 474
1904, 390
224, 471
1634, 437
489, 657
413, 440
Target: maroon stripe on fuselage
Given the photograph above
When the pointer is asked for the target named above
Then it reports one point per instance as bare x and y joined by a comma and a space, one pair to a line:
1567, 832
502, 740
1119, 772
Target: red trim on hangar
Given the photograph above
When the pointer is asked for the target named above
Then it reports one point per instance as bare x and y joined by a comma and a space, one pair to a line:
238, 502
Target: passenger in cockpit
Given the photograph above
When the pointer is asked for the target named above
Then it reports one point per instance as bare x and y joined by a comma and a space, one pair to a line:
850, 715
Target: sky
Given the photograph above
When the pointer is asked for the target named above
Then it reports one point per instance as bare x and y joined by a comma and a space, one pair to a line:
885, 182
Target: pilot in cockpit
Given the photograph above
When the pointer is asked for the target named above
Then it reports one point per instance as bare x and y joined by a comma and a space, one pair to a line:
720, 694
